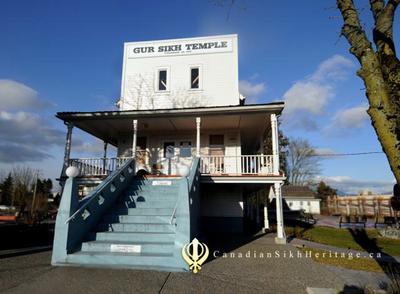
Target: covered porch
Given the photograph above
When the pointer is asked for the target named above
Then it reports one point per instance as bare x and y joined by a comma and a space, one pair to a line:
229, 140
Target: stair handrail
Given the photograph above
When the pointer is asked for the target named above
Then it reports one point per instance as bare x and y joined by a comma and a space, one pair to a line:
189, 180
92, 195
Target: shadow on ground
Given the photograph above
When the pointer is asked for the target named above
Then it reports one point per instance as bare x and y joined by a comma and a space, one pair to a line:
18, 236
388, 264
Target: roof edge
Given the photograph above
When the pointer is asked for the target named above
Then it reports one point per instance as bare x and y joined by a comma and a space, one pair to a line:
276, 107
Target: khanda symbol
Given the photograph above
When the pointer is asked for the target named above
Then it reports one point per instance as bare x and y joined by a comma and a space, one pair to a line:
196, 256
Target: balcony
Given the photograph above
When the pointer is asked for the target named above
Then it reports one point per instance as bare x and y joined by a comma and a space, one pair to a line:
236, 165
97, 167
210, 165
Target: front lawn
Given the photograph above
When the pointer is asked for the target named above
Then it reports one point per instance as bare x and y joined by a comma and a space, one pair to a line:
343, 238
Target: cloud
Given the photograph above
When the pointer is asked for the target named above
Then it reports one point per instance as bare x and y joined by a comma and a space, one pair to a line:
250, 89
309, 97
349, 185
25, 136
325, 151
17, 96
348, 119
92, 146
13, 153
334, 68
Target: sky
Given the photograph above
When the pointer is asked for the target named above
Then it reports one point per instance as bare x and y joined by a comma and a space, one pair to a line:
67, 56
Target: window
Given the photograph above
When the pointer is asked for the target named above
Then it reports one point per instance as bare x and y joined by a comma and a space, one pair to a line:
162, 80
194, 78
290, 204
309, 203
217, 140
169, 150
301, 203
186, 149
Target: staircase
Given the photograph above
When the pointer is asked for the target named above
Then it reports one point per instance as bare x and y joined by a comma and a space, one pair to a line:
138, 231
128, 222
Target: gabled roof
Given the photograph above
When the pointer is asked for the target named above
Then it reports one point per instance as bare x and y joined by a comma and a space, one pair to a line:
297, 191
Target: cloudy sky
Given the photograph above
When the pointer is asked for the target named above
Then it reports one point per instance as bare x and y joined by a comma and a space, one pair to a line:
67, 56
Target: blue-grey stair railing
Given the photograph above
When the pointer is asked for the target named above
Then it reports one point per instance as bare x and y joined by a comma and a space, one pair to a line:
186, 214
76, 219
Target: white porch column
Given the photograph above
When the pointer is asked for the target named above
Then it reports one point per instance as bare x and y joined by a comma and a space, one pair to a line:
266, 221
105, 149
198, 121
134, 138
275, 144
105, 156
267, 199
281, 237
68, 143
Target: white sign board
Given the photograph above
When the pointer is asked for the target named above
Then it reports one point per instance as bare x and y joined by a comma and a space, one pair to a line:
179, 47
125, 248
162, 183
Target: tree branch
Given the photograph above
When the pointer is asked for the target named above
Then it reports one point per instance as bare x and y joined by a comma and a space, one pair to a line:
383, 31
376, 7
353, 30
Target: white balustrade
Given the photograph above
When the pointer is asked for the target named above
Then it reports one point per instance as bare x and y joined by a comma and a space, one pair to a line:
237, 165
97, 166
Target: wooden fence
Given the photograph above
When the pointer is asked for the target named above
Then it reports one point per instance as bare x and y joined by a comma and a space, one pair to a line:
370, 206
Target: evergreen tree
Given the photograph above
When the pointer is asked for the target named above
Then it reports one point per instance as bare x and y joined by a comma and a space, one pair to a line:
7, 190
324, 190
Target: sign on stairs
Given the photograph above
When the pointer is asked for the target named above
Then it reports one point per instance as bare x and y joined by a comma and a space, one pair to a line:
161, 183
125, 248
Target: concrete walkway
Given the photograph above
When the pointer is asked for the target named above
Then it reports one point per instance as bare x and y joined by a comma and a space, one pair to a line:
304, 243
33, 274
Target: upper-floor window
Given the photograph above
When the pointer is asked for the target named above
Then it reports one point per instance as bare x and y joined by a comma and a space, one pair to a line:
162, 80
195, 78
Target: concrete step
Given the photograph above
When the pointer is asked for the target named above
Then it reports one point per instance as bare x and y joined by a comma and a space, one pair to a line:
136, 227
136, 236
125, 260
147, 204
150, 187
137, 219
149, 196
143, 211
145, 247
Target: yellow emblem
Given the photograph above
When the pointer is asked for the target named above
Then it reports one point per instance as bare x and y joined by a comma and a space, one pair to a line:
195, 254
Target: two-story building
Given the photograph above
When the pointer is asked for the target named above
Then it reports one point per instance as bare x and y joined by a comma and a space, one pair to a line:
181, 118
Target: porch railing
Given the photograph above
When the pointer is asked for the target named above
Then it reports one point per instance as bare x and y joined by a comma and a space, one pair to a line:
237, 165
97, 166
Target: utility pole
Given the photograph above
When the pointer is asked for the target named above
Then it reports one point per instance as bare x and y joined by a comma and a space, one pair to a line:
34, 192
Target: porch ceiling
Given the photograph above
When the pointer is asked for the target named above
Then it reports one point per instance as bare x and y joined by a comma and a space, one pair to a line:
252, 120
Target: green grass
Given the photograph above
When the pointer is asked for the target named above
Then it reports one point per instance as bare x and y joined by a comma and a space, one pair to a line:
361, 264
343, 238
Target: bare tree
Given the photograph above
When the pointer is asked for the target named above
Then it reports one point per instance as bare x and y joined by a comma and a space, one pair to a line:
141, 94
380, 71
302, 163
23, 178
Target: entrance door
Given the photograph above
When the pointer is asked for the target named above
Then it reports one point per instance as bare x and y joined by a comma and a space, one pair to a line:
141, 151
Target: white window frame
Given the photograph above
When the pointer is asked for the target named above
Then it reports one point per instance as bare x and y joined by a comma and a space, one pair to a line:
157, 75
200, 67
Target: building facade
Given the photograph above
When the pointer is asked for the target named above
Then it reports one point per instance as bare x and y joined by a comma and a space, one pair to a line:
301, 198
181, 122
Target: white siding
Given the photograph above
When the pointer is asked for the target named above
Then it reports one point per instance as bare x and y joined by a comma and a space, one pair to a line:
219, 75
309, 205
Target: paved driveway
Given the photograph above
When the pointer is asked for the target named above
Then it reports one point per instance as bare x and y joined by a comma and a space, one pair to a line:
33, 274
